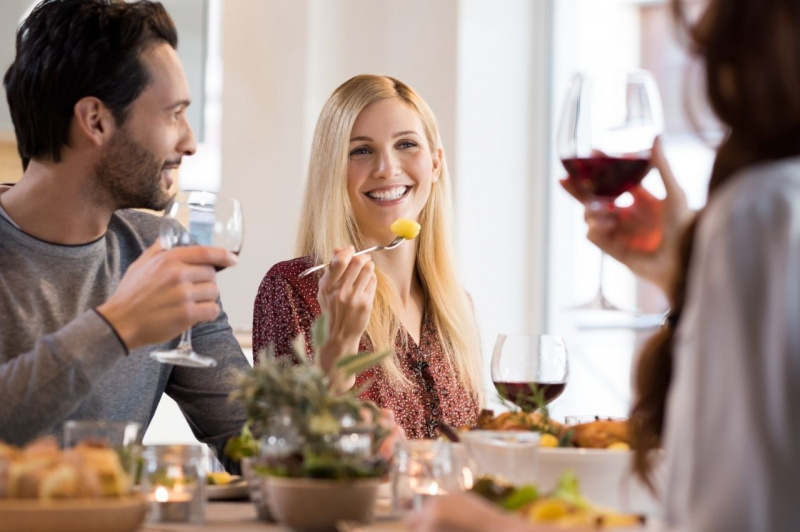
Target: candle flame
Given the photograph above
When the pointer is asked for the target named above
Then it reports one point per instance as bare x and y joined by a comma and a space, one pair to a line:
161, 494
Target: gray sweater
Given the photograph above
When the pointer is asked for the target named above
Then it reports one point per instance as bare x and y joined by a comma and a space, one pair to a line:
60, 360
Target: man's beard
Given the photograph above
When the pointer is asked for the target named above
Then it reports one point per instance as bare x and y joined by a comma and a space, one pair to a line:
129, 175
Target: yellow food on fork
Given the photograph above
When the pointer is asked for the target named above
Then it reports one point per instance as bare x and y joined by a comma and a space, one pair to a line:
404, 228
408, 229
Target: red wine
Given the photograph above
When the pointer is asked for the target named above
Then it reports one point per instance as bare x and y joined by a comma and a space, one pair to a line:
523, 394
606, 176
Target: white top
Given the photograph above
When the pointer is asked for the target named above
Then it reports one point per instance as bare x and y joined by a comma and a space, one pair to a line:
733, 429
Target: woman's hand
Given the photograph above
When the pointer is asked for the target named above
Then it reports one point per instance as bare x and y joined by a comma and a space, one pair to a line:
396, 433
464, 512
346, 292
644, 236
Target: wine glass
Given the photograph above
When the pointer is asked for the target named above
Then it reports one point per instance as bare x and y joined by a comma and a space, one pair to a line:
607, 129
207, 219
530, 370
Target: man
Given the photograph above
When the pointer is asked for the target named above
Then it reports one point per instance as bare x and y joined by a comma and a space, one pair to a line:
98, 98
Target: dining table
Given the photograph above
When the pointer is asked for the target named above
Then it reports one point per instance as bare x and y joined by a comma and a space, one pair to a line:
240, 516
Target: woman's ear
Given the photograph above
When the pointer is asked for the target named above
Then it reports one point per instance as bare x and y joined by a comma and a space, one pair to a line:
93, 120
438, 160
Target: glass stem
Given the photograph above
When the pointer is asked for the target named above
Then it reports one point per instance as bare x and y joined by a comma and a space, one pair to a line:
185, 345
600, 277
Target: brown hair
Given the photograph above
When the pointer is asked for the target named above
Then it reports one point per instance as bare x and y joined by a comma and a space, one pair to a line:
70, 49
751, 52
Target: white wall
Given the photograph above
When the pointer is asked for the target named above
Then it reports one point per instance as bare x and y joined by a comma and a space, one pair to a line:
473, 61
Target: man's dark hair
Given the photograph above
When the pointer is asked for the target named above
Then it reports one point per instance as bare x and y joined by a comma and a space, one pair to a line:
70, 49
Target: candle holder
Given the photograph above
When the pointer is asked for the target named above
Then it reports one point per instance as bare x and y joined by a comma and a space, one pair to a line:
173, 483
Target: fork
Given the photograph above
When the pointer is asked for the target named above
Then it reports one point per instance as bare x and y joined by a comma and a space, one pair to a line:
393, 244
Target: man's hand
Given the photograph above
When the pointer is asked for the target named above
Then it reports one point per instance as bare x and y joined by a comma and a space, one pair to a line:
164, 292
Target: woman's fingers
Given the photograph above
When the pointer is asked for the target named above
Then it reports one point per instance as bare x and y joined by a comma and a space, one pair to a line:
365, 275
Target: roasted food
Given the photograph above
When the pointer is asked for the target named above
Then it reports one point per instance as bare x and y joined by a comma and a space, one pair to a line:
43, 471
518, 421
599, 434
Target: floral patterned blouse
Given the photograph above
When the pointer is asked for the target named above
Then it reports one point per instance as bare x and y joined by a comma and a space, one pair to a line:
287, 305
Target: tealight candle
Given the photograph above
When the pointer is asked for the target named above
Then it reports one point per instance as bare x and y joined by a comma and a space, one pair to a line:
173, 483
170, 506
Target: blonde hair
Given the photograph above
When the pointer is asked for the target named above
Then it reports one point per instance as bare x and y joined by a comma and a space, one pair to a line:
328, 221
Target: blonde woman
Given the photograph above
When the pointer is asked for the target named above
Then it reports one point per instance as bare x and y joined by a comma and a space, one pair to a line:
376, 156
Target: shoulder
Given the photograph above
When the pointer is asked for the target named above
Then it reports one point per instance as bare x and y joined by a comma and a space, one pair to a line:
291, 269
130, 232
286, 274
131, 221
762, 196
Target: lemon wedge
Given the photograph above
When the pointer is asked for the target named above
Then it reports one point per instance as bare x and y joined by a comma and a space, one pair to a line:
218, 478
548, 440
548, 509
408, 229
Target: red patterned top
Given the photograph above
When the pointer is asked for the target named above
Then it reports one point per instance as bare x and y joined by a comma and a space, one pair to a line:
287, 305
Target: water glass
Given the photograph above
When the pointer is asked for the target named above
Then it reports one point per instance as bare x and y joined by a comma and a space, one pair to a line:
509, 456
173, 483
427, 468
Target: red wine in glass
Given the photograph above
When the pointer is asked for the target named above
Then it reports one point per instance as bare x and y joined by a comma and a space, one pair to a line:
524, 394
530, 370
605, 176
608, 124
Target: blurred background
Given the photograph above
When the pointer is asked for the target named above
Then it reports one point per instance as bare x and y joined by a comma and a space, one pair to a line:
495, 73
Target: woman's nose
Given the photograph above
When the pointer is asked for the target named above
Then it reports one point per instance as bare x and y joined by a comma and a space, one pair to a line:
387, 165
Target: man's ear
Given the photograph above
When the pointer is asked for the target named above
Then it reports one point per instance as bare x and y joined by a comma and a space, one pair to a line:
93, 120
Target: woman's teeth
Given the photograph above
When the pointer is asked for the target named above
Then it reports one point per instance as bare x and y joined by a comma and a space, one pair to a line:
389, 194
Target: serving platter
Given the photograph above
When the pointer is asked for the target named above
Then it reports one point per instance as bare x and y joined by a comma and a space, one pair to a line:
117, 514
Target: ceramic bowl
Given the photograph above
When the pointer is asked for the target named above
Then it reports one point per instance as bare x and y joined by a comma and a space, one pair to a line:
316, 505
605, 477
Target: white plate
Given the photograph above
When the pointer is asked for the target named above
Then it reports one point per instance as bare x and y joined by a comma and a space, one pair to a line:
235, 489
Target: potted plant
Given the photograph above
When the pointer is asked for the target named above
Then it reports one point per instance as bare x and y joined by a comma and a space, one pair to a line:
316, 445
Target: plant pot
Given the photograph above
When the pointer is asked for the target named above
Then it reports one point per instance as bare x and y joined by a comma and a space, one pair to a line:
257, 486
316, 505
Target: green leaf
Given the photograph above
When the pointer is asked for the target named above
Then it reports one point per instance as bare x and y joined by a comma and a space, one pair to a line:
319, 332
299, 348
568, 489
354, 364
521, 497
242, 446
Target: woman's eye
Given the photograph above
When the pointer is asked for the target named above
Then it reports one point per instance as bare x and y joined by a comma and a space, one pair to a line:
405, 144
361, 150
